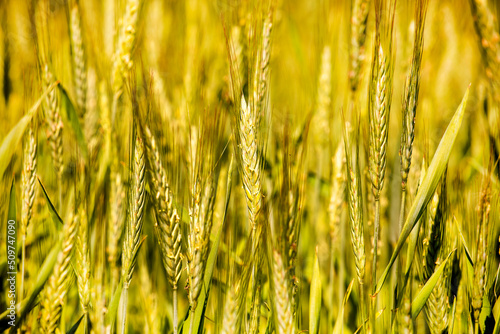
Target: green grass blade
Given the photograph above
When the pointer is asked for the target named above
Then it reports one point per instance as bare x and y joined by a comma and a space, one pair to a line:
58, 222
429, 184
315, 302
11, 141
113, 305
422, 296
339, 324
74, 328
453, 312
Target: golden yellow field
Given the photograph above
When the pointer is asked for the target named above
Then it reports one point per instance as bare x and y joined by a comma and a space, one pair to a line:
249, 166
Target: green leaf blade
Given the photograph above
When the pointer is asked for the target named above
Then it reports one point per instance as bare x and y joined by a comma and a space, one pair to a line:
429, 184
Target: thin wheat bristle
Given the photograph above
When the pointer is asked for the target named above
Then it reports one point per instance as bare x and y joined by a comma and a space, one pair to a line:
57, 286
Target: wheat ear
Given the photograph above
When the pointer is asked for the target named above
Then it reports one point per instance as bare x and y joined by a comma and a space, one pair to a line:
355, 203
481, 258
55, 127
29, 192
83, 259
79, 66
126, 41
281, 295
380, 97
167, 227
117, 200
57, 286
132, 240
359, 18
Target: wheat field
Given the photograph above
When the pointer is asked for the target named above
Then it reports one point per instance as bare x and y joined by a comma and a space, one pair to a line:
250, 166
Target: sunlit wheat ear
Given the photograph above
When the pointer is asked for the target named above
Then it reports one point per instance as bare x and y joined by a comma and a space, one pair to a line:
251, 160
200, 225
437, 306
29, 177
323, 98
133, 232
485, 23
167, 218
380, 93
116, 222
433, 235
337, 192
83, 259
230, 311
79, 67
263, 69
482, 251
122, 61
281, 295
355, 204
359, 18
412, 87
54, 123
28, 192
57, 286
